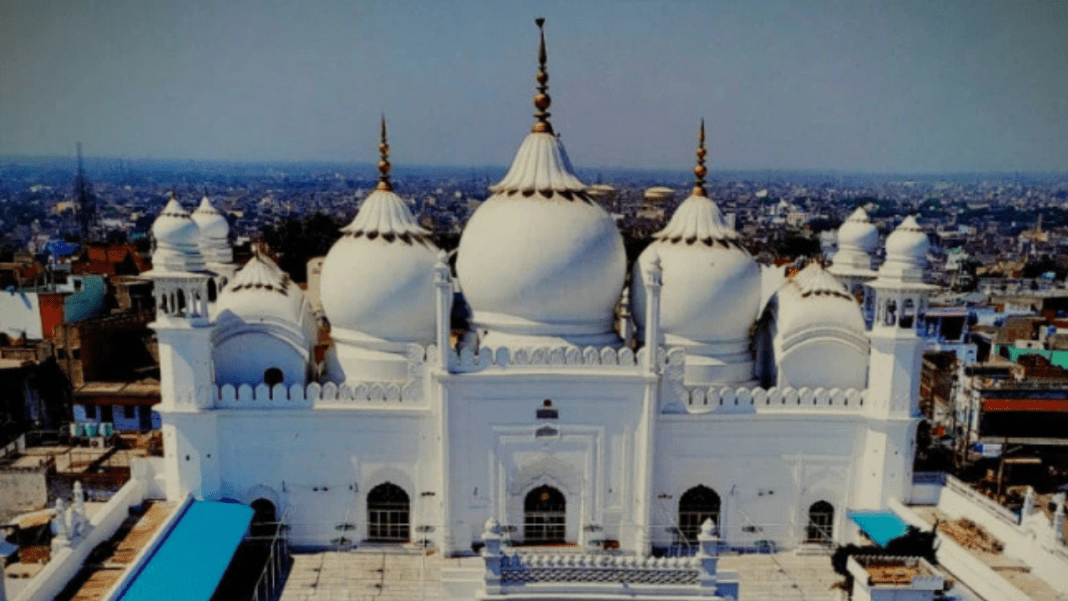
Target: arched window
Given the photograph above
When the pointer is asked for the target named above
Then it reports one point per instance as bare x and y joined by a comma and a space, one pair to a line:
272, 376
213, 291
163, 304
544, 516
820, 523
890, 312
388, 514
698, 504
908, 313
264, 520
179, 304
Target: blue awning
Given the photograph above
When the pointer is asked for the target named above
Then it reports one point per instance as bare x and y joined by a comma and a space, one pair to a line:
190, 562
880, 526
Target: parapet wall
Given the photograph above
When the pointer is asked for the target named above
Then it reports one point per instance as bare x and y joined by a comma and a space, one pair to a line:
726, 399
468, 360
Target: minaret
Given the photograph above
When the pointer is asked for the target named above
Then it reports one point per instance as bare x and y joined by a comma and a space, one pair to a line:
892, 401
183, 330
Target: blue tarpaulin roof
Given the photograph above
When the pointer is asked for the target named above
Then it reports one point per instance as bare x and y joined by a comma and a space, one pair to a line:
191, 561
880, 526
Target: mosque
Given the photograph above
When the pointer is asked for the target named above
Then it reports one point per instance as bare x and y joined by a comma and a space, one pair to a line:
586, 402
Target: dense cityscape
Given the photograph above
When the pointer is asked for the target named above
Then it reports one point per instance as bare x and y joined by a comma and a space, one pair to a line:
289, 311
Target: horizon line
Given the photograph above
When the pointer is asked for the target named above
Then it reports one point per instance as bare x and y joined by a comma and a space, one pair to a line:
504, 167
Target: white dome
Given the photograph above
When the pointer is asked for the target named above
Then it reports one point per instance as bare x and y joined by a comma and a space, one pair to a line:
858, 232
820, 338
177, 237
906, 252
857, 240
814, 299
263, 322
378, 278
212, 223
908, 242
174, 226
711, 285
539, 258
214, 237
261, 291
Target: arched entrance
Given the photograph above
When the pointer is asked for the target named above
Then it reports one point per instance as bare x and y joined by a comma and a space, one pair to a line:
544, 516
820, 523
388, 514
264, 519
696, 505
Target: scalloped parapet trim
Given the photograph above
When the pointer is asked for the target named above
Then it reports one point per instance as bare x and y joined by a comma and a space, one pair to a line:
468, 360
726, 399
407, 394
299, 396
533, 568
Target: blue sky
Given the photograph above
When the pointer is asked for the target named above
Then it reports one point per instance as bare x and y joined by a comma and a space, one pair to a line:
899, 86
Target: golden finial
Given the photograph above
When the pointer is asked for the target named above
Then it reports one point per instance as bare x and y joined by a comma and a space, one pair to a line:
699, 170
383, 161
542, 99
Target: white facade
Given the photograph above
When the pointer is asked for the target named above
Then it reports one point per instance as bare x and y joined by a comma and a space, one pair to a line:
548, 417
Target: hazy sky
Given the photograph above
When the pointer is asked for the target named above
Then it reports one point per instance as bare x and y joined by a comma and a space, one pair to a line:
903, 85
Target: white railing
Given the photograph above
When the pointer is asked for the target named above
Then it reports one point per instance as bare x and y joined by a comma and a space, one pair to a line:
584, 568
990, 506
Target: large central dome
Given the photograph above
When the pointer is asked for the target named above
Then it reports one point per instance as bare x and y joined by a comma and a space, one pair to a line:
540, 262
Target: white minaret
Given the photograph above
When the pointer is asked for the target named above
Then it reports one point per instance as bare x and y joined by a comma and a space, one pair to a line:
892, 402
183, 330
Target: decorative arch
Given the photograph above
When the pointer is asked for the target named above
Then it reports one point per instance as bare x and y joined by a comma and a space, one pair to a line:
890, 312
549, 471
264, 519
273, 376
908, 314
544, 516
696, 505
820, 526
388, 514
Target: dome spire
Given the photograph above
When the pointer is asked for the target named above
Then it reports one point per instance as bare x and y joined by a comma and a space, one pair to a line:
699, 170
383, 161
542, 99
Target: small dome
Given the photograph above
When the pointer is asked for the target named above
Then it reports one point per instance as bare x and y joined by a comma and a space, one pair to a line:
814, 298
211, 222
263, 324
378, 278
539, 258
262, 291
174, 226
857, 240
711, 285
177, 240
820, 338
858, 233
908, 243
906, 253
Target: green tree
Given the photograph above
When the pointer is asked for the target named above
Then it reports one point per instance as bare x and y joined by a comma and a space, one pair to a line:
296, 241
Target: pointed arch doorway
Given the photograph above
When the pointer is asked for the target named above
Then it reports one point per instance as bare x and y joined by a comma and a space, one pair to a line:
544, 516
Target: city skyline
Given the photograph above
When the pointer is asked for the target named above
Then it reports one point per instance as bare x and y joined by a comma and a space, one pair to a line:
868, 87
